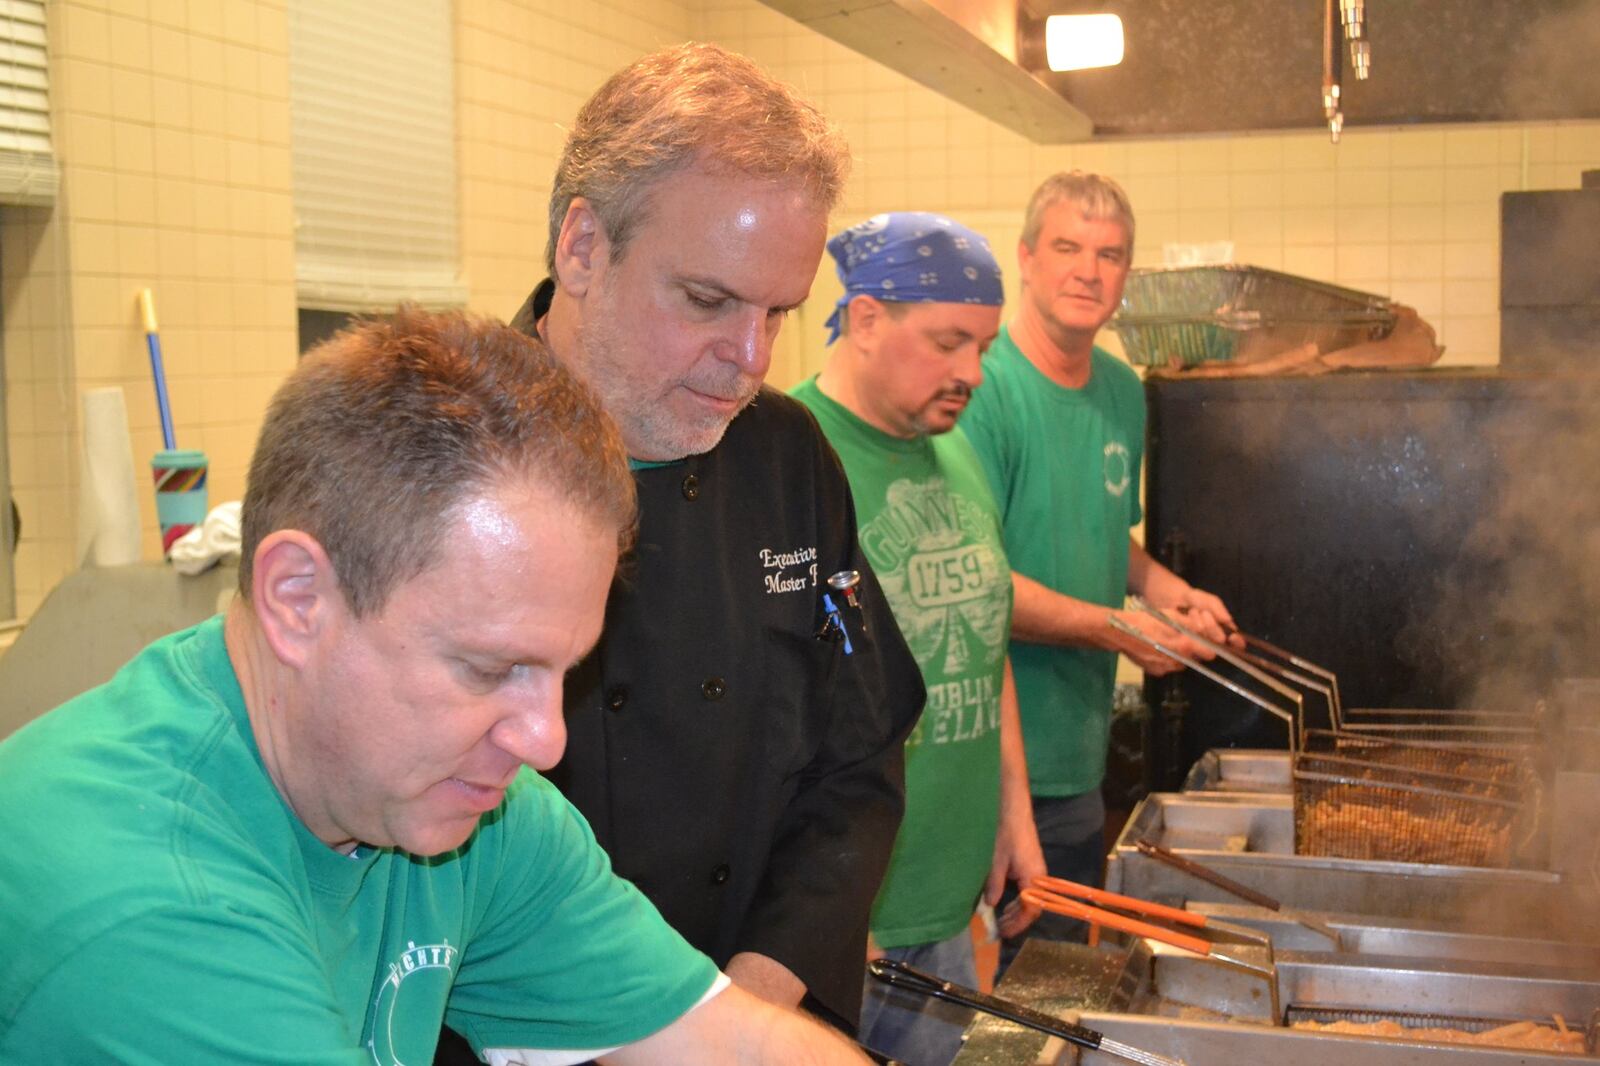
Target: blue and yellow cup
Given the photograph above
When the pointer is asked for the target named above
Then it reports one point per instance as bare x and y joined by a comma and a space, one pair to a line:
180, 492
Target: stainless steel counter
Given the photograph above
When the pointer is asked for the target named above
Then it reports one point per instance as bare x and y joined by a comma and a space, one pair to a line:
94, 622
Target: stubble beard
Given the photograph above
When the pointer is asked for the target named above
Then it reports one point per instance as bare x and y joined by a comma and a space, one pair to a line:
650, 427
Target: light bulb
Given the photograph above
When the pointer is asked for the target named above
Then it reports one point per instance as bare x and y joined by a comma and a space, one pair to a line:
1077, 42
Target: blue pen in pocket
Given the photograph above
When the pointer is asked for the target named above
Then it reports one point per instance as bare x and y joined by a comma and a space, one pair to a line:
835, 622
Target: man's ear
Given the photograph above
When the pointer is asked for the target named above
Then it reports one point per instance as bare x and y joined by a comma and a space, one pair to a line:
866, 317
581, 247
295, 594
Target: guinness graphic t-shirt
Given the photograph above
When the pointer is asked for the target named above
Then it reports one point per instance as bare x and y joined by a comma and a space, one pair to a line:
929, 527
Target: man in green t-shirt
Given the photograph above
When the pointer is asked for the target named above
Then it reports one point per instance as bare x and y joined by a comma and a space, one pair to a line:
306, 831
921, 303
1059, 427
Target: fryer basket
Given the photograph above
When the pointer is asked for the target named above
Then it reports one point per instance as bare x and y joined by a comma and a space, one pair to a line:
1509, 767
1357, 808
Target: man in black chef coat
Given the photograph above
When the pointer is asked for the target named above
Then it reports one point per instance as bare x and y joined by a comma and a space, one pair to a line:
736, 747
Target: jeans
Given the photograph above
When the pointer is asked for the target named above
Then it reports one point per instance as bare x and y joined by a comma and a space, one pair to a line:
915, 1029
1072, 837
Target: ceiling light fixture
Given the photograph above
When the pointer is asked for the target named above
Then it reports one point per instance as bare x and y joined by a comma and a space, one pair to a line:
1078, 42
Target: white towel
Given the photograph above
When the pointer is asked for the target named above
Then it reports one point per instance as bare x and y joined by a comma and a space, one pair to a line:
209, 543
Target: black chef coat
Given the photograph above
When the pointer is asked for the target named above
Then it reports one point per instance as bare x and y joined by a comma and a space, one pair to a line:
744, 773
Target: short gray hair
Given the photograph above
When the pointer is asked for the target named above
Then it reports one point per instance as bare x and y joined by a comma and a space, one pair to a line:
695, 103
1097, 196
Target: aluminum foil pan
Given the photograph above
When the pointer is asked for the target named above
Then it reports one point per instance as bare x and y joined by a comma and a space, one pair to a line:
1182, 316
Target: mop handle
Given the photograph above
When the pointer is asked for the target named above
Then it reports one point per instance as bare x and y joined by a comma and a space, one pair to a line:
152, 339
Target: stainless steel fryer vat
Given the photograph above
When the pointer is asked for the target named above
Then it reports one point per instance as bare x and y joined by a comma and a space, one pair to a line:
1409, 938
1240, 770
1250, 838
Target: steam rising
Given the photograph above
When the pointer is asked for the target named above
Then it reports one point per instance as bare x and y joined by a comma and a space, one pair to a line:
1527, 578
1552, 70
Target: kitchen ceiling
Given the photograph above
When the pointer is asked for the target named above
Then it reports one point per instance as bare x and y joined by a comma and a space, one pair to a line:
1212, 66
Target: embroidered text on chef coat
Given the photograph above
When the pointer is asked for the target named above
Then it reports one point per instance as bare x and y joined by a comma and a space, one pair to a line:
794, 570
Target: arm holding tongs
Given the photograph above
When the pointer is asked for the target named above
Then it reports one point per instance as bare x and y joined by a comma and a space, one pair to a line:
1291, 715
1258, 657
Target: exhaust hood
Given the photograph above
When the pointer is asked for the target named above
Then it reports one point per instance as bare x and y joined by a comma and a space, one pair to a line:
965, 50
1216, 66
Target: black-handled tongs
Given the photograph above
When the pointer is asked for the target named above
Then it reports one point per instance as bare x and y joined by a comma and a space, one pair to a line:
899, 975
1152, 850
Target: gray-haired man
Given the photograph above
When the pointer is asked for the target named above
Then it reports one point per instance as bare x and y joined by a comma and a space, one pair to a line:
738, 757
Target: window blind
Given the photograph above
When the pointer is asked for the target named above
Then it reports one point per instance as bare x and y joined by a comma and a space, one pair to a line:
28, 173
372, 117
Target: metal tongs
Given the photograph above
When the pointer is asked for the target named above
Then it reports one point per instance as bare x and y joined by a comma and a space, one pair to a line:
1155, 851
1054, 895
898, 975
1260, 667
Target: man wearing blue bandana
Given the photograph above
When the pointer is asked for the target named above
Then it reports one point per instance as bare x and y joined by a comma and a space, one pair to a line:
921, 303
1060, 431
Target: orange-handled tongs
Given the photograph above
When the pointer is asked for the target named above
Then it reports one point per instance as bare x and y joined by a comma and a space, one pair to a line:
1052, 894
1057, 896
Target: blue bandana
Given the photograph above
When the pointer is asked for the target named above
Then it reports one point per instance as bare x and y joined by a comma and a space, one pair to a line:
914, 257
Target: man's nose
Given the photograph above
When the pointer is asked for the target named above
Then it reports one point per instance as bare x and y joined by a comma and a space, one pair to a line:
750, 346
970, 370
536, 732
1086, 266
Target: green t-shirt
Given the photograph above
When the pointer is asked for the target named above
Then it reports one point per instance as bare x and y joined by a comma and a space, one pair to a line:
931, 532
1064, 465
160, 903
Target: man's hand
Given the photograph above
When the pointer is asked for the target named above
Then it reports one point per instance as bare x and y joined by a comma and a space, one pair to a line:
1018, 858
1167, 592
1148, 659
766, 977
1200, 611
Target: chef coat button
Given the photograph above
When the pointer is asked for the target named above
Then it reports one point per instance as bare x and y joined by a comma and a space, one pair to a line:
691, 487
720, 874
713, 688
617, 698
